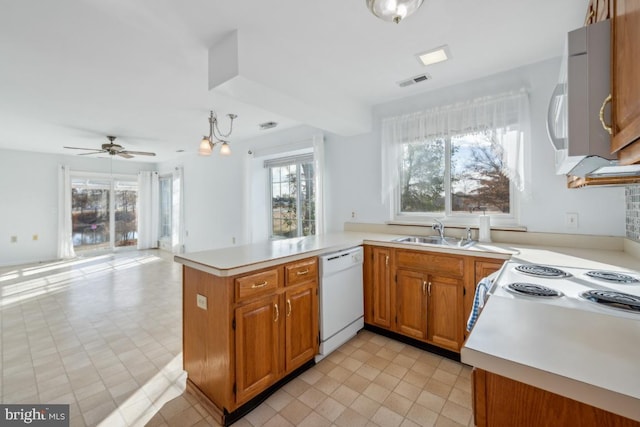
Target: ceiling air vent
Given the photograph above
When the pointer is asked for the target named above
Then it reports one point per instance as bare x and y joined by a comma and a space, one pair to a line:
414, 80
267, 125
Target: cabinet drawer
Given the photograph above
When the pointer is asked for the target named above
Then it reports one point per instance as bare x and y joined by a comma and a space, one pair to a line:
301, 271
448, 265
256, 284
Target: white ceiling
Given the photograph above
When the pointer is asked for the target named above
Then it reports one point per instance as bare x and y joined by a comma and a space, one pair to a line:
74, 71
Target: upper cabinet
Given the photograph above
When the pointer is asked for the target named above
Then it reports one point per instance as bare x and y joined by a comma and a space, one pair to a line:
599, 10
625, 83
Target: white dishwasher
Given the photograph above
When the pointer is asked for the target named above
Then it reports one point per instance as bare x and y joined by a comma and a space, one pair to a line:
341, 298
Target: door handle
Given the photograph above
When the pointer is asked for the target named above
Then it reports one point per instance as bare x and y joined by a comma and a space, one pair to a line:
429, 289
277, 312
288, 307
424, 287
386, 260
604, 124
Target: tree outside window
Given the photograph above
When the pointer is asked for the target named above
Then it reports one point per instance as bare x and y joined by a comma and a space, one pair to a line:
292, 200
455, 175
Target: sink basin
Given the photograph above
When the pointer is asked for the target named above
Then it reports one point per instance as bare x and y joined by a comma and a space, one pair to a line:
437, 240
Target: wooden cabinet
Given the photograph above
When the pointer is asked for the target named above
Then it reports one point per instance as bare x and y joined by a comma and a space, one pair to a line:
258, 346
599, 10
499, 401
422, 294
444, 328
625, 84
411, 303
243, 334
301, 325
380, 287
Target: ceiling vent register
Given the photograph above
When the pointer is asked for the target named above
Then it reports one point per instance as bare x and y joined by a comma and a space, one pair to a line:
413, 80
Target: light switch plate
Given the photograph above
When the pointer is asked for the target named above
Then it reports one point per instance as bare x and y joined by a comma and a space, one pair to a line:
571, 220
201, 301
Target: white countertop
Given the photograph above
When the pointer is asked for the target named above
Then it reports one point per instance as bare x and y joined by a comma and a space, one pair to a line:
590, 357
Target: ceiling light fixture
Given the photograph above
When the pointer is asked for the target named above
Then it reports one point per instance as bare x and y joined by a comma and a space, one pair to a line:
393, 10
215, 137
434, 56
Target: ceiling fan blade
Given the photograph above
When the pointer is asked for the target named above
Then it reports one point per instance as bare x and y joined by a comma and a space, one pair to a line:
81, 148
95, 152
139, 153
124, 154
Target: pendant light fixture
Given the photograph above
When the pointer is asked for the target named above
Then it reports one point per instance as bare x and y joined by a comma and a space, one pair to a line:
215, 137
393, 10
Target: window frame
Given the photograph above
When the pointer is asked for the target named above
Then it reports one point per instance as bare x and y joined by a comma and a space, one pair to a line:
447, 216
298, 160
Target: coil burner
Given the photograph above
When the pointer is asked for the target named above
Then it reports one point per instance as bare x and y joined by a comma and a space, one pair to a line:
612, 276
612, 299
542, 271
533, 290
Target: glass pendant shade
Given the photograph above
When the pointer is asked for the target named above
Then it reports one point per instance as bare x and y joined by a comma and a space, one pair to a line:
225, 150
393, 10
205, 147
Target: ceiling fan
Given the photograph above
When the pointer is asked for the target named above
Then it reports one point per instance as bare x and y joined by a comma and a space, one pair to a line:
113, 150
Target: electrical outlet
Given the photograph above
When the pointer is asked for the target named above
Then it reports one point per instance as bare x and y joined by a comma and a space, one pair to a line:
13, 239
233, 240
571, 220
201, 301
353, 214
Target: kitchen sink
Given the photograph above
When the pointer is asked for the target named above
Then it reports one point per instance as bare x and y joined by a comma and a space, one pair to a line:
437, 240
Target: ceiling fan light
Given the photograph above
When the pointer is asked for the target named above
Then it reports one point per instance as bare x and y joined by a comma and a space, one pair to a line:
205, 147
225, 150
393, 10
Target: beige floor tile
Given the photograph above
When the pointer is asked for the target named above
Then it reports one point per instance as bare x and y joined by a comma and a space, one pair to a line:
312, 397
386, 417
120, 364
398, 403
295, 412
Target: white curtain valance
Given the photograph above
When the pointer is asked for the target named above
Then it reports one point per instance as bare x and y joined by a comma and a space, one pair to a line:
504, 116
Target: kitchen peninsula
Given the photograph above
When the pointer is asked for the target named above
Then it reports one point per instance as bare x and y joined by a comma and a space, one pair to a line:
230, 294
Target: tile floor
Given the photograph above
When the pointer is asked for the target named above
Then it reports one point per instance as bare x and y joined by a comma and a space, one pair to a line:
103, 334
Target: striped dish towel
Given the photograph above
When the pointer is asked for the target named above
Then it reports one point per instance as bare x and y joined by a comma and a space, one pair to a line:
478, 300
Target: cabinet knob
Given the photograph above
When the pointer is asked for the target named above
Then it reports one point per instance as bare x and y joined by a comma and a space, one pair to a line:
277, 312
288, 307
259, 285
386, 260
302, 272
429, 289
424, 287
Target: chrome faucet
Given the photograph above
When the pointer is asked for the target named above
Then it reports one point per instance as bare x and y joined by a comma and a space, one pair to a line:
469, 235
440, 227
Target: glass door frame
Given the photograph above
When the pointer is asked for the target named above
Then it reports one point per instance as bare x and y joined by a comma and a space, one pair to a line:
112, 178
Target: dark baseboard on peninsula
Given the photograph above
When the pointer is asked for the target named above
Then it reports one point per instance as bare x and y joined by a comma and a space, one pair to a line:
414, 343
232, 417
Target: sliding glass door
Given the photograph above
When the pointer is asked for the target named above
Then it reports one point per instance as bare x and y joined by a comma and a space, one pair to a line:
103, 212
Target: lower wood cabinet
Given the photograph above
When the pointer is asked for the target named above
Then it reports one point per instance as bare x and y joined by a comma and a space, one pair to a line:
258, 346
243, 334
500, 401
411, 303
444, 326
301, 325
421, 294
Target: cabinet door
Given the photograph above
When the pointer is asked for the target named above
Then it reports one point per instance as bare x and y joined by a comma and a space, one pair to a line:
625, 83
411, 303
445, 302
257, 346
381, 287
301, 325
